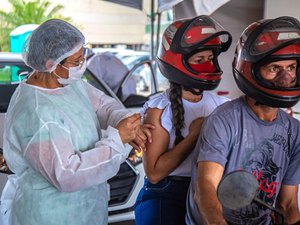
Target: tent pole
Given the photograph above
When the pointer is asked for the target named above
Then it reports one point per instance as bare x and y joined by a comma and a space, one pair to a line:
157, 32
152, 17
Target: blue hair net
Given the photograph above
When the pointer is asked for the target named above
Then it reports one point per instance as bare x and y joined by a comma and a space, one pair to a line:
53, 41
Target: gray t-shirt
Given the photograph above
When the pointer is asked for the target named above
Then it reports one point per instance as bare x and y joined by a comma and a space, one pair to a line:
234, 137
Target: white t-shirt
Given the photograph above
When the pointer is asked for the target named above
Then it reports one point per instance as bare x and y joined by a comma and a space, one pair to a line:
192, 110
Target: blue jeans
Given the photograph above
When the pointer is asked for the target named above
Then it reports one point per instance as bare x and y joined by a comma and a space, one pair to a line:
163, 203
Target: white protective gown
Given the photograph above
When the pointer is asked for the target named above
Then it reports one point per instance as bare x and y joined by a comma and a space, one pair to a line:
61, 159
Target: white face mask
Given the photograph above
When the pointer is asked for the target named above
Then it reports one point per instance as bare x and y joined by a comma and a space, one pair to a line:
75, 74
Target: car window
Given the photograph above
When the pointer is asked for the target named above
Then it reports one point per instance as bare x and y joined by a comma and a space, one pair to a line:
88, 77
163, 82
140, 81
145, 83
11, 72
130, 61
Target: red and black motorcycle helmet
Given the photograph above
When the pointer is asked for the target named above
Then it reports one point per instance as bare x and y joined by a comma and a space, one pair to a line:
186, 37
261, 43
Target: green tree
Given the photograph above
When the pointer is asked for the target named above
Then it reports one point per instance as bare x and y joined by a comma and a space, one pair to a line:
26, 12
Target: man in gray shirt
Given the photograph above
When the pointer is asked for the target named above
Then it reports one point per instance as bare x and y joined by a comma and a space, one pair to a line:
252, 133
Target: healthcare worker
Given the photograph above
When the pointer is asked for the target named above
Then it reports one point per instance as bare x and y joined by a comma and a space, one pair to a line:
63, 138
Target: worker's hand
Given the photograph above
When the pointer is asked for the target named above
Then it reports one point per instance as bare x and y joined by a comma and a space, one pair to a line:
129, 127
143, 136
3, 166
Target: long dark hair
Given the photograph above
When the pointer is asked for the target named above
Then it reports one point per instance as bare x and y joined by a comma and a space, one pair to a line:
177, 110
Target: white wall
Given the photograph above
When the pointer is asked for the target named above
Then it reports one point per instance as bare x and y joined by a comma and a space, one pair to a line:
105, 22
276, 8
235, 16
102, 21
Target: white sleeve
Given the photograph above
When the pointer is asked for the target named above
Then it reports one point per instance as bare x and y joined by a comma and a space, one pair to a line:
51, 152
109, 111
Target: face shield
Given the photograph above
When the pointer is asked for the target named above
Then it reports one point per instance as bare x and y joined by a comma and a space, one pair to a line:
276, 38
270, 41
200, 33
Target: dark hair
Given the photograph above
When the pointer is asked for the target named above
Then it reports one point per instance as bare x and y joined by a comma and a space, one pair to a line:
63, 61
177, 110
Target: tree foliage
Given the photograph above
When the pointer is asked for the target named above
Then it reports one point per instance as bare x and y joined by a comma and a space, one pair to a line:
26, 12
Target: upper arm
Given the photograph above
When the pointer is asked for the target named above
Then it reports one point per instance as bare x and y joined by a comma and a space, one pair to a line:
160, 139
214, 140
109, 111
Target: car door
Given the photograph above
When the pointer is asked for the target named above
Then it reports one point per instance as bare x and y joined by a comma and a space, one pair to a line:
138, 85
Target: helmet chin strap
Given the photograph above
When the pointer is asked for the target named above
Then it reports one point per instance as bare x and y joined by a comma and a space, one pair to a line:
193, 91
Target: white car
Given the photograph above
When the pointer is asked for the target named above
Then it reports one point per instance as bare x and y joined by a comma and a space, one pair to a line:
125, 186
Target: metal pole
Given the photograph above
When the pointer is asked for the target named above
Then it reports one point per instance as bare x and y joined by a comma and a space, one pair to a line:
152, 17
157, 32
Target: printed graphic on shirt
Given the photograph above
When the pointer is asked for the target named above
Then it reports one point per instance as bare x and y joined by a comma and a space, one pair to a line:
260, 163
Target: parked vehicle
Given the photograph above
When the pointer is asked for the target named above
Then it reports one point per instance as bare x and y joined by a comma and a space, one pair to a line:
131, 58
142, 74
125, 186
115, 51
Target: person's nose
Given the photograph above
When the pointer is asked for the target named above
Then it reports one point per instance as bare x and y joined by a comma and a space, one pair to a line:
286, 72
285, 79
206, 58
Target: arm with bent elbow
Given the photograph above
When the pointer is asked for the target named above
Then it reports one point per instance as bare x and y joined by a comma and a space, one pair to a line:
52, 153
208, 179
287, 201
109, 111
158, 161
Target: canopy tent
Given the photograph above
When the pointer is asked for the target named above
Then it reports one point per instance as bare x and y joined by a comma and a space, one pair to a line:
201, 7
181, 9
137, 4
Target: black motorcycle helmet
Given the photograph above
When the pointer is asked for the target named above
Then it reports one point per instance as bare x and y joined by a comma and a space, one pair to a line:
261, 43
186, 37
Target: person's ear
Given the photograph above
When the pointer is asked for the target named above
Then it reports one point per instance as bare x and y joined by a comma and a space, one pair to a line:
49, 64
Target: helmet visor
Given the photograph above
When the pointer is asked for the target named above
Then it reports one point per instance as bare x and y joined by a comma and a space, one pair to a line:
204, 31
276, 35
